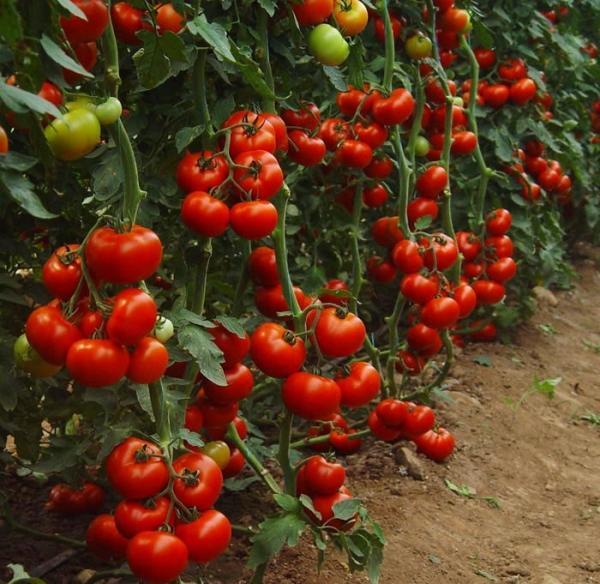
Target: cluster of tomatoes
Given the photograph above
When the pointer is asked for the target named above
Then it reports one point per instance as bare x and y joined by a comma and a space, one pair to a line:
394, 419
69, 501
166, 517
99, 340
534, 173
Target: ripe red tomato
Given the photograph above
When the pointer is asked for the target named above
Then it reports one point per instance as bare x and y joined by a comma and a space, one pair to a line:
424, 340
87, 55
133, 316
193, 418
201, 482
455, 20
305, 150
67, 500
485, 334
371, 133
104, 539
333, 131
62, 271
249, 131
167, 18
3, 141
502, 270
277, 352
270, 301
418, 288
281, 135
324, 505
440, 313
311, 397
488, 292
392, 412
201, 171
217, 416
128, 21
239, 384
360, 385
463, 143
321, 477
335, 285
77, 30
512, 70
410, 363
380, 167
135, 471
386, 231
235, 465
380, 270
407, 257
253, 219
466, 298
495, 95
498, 222
148, 361
440, 251
123, 258
233, 346
205, 215
307, 117
437, 445
97, 362
133, 517
421, 207
395, 109
51, 334
354, 154
499, 246
523, 91
432, 182
485, 57
468, 244
375, 196
380, 430
343, 443
309, 12
549, 179
339, 333
207, 537
258, 174
419, 419
157, 556
438, 117
351, 16
349, 101
397, 26
262, 265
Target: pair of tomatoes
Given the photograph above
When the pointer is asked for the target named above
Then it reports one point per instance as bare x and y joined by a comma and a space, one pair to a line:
69, 501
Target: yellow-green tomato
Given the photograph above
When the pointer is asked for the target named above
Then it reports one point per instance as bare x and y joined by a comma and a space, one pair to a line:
109, 111
422, 146
218, 451
73, 136
81, 103
163, 329
418, 46
327, 45
27, 359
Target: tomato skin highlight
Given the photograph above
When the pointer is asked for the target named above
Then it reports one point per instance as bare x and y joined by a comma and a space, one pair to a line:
360, 386
277, 352
203, 486
132, 517
148, 361
205, 215
207, 537
97, 362
311, 397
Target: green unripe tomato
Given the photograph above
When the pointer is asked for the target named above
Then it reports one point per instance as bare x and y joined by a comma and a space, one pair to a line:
219, 451
28, 359
422, 146
73, 136
163, 329
327, 45
109, 111
458, 101
81, 103
418, 47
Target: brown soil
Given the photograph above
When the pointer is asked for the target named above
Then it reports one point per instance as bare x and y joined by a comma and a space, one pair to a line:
540, 461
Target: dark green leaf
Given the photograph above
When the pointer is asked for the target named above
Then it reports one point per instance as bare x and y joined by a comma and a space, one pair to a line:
198, 343
186, 136
11, 27
60, 57
214, 34
17, 161
21, 191
21, 101
336, 77
233, 325
268, 6
287, 503
190, 437
483, 360
142, 393
72, 8
274, 533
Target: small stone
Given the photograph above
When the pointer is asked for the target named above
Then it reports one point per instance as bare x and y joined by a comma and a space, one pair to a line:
84, 576
545, 296
516, 570
409, 459
589, 567
547, 579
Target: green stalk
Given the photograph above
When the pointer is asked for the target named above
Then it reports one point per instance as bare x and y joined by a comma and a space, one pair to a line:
404, 174
283, 455
197, 302
416, 128
392, 321
243, 280
12, 524
201, 111
111, 58
161, 411
324, 438
390, 56
447, 363
265, 62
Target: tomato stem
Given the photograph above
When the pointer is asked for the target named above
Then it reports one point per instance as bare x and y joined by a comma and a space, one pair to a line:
404, 173
447, 363
324, 438
263, 31
243, 279
392, 321
111, 57
13, 524
201, 110
388, 71
283, 455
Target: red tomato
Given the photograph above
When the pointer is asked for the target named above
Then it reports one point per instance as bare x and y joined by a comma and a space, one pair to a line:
380, 270
371, 133
386, 231
440, 313
335, 285
360, 385
333, 131
281, 135
395, 109
309, 12
392, 412
205, 215
77, 30
321, 477
375, 196
380, 167
128, 21
87, 55
218, 433
156, 556
305, 150
419, 419
432, 182
201, 171
440, 251
421, 207
500, 246
234, 347
349, 101
380, 430
135, 471
419, 289
311, 397
488, 292
201, 482
468, 244
51, 334
258, 174
133, 316
455, 20
549, 179
410, 363
424, 340
534, 147
207, 537
62, 271
239, 384
523, 91
148, 361
324, 505
253, 219
463, 143
466, 298
249, 131
498, 222
262, 265
397, 26
502, 270
495, 95
168, 19
271, 300
104, 539
485, 57
277, 352
132, 517
354, 154
407, 257
343, 443
437, 445
3, 141
486, 334
339, 333
535, 165
123, 258
307, 117
193, 418
512, 70
216, 416
235, 465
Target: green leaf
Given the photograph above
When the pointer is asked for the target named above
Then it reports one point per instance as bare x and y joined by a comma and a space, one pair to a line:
287, 502
268, 6
546, 386
72, 8
336, 77
184, 316
17, 161
11, 27
233, 325
462, 490
199, 344
153, 62
9, 390
59, 56
483, 360
21, 191
20, 575
274, 533
190, 437
423, 222
346, 510
186, 136
214, 34
21, 101
252, 73
142, 393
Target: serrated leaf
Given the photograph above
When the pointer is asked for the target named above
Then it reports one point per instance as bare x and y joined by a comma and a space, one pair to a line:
268, 6
461, 490
287, 502
142, 393
154, 61
72, 8
307, 503
59, 56
239, 485
233, 325
483, 360
184, 316
21, 192
347, 509
190, 437
546, 386
336, 77
274, 533
423, 222
214, 34
199, 344
21, 101
185, 136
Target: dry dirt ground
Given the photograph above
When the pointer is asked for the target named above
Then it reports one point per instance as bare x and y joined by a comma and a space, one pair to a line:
539, 462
